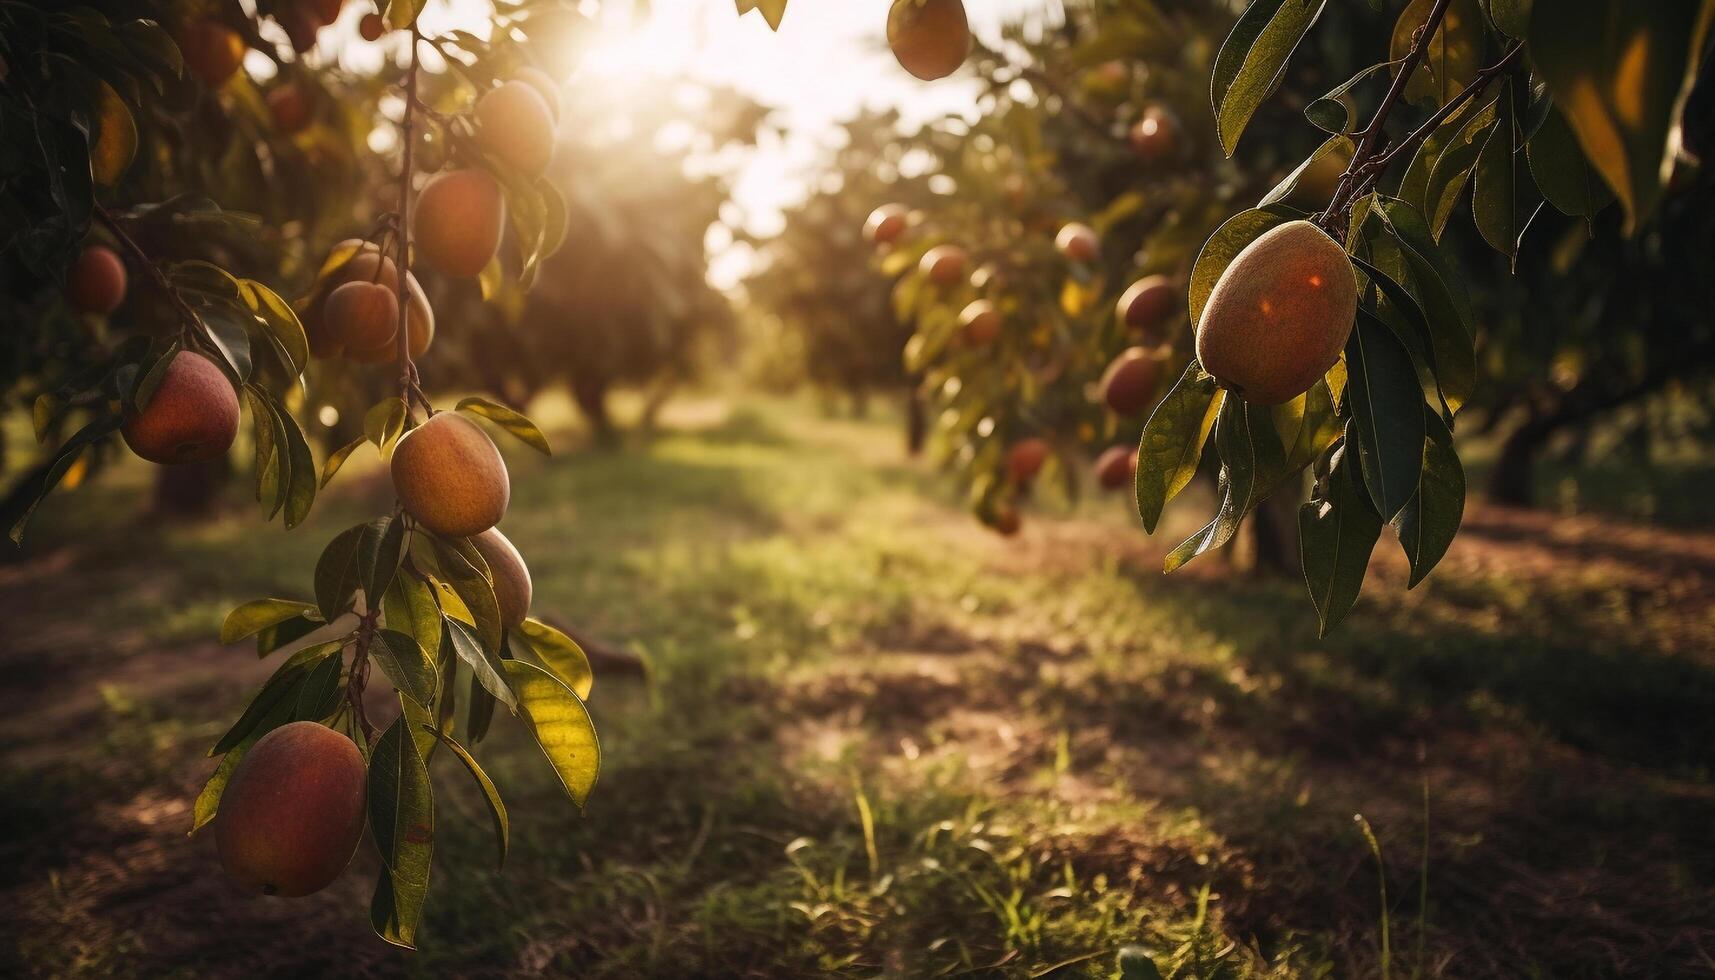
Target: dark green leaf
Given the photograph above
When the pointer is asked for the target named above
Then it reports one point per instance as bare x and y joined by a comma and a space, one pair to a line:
1494, 188
1172, 442
496, 809
409, 607
1337, 530
281, 688
337, 458
338, 571
1387, 413
377, 568
259, 614
1429, 522
320, 692
1238, 481
1562, 173
482, 662
402, 822
406, 664
1253, 60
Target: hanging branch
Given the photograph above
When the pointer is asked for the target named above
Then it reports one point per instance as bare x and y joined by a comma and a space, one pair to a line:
191, 326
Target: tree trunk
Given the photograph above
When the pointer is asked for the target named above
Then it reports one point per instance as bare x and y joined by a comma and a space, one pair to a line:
591, 395
1513, 480
191, 491
916, 421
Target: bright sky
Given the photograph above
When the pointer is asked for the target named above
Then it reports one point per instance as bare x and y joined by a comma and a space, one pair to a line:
828, 61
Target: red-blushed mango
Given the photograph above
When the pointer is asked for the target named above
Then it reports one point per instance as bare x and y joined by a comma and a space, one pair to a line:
1116, 467
1146, 304
1006, 521
363, 315
931, 38
1078, 242
191, 418
944, 264
1280, 314
212, 51
513, 123
365, 264
885, 224
96, 281
371, 27
1155, 136
290, 108
293, 812
1129, 383
450, 478
461, 215
544, 85
979, 323
1025, 457
511, 576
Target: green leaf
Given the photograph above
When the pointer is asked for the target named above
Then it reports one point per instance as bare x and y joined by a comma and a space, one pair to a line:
384, 423
281, 688
274, 637
1236, 443
1222, 247
1253, 60
1337, 531
1172, 442
116, 140
1428, 524
406, 664
1562, 173
259, 614
459, 638
1341, 150
496, 809
481, 710
271, 465
1511, 17
376, 568
409, 607
320, 691
1453, 168
338, 571
1387, 412
561, 726
301, 480
509, 420
467, 574
22, 505
1494, 188
402, 822
337, 458
281, 323
1620, 72
1440, 290
1399, 304
1335, 111
561, 655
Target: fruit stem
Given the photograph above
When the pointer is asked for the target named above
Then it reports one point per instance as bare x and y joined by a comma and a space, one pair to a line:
409, 384
1351, 180
359, 677
190, 325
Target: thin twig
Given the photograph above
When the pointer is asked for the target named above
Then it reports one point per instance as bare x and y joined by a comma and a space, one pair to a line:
1421, 133
408, 384
192, 324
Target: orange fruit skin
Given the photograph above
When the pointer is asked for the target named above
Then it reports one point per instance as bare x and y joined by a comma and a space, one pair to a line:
1006, 521
1146, 305
461, 215
450, 478
290, 108
363, 315
211, 50
1155, 136
1078, 242
1129, 383
96, 281
1025, 457
930, 38
512, 588
544, 85
191, 418
885, 224
944, 264
293, 812
1116, 467
362, 266
1280, 315
979, 323
514, 123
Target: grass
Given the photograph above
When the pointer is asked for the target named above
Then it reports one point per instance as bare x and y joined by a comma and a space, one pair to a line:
875, 740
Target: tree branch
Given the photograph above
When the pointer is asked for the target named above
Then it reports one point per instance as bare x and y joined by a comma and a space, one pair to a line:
191, 324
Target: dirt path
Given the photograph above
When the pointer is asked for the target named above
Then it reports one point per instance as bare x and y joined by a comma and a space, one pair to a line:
98, 737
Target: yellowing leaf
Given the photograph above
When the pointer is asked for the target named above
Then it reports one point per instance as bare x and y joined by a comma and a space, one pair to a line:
116, 140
